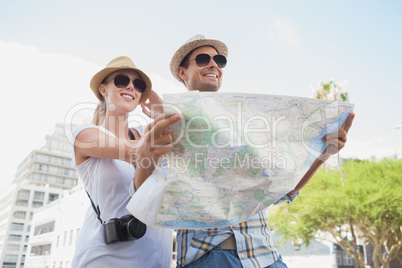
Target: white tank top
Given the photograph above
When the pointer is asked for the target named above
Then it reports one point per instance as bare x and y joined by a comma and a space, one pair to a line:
107, 181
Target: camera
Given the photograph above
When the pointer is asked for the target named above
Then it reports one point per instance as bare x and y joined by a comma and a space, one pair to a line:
126, 228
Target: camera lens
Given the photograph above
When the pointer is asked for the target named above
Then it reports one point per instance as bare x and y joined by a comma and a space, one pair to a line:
134, 228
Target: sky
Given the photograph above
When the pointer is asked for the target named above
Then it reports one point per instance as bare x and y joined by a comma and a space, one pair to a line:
49, 51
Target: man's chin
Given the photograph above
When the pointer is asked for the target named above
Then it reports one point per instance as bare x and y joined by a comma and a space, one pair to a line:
209, 87
208, 90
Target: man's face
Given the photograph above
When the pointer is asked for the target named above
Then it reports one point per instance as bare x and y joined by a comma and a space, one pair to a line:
206, 78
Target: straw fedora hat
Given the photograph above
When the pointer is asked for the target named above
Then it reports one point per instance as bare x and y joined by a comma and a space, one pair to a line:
119, 63
191, 44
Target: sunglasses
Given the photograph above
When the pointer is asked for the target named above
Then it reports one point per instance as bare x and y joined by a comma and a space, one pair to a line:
204, 59
121, 81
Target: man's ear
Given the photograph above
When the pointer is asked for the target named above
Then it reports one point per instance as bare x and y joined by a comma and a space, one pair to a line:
182, 72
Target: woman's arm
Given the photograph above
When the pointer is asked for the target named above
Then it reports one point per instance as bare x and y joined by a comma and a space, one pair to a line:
154, 143
92, 142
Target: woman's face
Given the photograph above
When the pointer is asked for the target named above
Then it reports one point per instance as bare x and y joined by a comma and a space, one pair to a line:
120, 100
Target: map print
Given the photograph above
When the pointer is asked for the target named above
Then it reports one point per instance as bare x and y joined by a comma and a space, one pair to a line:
233, 155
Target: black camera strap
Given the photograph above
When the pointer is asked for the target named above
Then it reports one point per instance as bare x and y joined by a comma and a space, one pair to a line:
96, 208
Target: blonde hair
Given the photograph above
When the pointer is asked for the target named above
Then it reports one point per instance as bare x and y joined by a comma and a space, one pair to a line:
100, 113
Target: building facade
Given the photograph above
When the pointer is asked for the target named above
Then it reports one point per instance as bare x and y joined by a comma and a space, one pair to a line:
55, 230
41, 178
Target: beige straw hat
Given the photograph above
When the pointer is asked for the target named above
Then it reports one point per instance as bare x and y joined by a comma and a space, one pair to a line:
120, 63
191, 44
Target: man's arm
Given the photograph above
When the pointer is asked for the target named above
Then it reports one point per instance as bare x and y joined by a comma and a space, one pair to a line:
336, 141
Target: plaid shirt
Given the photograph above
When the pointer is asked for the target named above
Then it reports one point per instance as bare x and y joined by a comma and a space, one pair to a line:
254, 242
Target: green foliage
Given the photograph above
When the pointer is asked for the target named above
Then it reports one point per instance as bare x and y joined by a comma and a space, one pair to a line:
331, 91
362, 198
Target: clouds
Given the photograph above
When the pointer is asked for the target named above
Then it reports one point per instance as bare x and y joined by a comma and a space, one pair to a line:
37, 90
284, 33
41, 89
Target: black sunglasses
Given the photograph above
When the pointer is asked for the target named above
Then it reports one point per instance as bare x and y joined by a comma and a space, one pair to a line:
121, 81
203, 60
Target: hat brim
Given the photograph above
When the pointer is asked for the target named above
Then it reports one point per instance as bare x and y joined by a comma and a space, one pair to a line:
182, 52
101, 75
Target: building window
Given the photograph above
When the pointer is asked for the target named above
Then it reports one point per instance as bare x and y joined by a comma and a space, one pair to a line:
40, 167
11, 247
67, 181
53, 197
17, 226
39, 177
344, 259
56, 160
21, 203
67, 171
12, 237
347, 259
42, 158
76, 234
64, 238
53, 169
41, 250
67, 162
36, 204
23, 194
10, 258
22, 261
71, 238
9, 265
39, 196
44, 228
19, 214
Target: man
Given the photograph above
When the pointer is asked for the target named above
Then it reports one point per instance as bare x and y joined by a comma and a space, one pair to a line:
199, 64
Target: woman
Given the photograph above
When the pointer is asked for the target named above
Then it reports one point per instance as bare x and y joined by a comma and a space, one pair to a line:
104, 153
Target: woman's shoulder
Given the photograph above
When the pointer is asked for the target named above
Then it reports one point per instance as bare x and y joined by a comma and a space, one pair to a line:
81, 127
77, 130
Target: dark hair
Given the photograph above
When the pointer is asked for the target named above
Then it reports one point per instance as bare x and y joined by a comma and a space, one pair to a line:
185, 62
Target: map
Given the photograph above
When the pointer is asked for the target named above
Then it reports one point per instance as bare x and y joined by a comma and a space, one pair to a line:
233, 155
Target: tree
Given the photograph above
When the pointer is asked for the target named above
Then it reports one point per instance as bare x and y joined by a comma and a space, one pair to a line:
331, 91
362, 200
